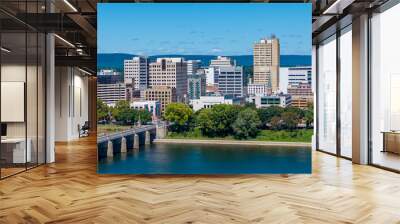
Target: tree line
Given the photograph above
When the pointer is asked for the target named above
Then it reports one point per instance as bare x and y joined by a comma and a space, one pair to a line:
242, 122
121, 113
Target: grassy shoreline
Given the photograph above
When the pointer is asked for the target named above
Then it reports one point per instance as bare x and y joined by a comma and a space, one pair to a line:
111, 128
302, 135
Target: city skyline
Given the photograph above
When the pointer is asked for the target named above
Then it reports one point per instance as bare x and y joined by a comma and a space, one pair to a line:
207, 29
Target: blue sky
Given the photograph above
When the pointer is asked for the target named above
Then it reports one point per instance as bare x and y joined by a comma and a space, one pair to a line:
208, 28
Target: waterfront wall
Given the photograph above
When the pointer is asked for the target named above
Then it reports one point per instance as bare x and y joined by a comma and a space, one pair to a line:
232, 142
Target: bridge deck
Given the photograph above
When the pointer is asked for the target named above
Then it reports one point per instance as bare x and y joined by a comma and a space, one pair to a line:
116, 135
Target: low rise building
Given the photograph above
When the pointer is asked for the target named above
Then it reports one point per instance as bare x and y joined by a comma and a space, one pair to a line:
301, 102
152, 106
302, 95
261, 101
258, 89
209, 101
303, 90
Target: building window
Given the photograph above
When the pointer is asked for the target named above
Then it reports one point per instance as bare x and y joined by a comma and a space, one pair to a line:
385, 89
327, 95
346, 92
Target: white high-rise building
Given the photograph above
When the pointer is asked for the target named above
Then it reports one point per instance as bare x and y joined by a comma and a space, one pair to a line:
136, 72
210, 76
171, 72
283, 79
222, 61
212, 73
193, 66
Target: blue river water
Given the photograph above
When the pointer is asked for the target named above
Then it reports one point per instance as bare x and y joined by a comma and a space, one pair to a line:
172, 158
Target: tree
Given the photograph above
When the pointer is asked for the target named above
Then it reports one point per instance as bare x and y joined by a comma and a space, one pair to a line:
218, 120
299, 112
249, 105
143, 115
102, 110
122, 112
222, 117
179, 114
309, 115
266, 114
275, 123
204, 123
246, 124
290, 120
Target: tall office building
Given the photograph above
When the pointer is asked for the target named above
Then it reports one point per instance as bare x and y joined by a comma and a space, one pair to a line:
299, 75
108, 72
266, 62
170, 72
162, 94
193, 66
196, 86
109, 76
230, 80
111, 93
111, 87
212, 72
136, 72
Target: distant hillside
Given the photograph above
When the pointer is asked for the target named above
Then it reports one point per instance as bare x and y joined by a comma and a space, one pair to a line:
116, 61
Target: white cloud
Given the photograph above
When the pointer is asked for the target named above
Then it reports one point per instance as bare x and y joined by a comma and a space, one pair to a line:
216, 50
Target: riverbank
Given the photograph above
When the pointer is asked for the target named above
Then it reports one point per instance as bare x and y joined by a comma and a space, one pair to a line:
300, 135
232, 142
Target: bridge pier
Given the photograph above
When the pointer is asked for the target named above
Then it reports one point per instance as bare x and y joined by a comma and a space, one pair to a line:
136, 141
110, 152
123, 145
123, 156
147, 139
121, 138
161, 131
